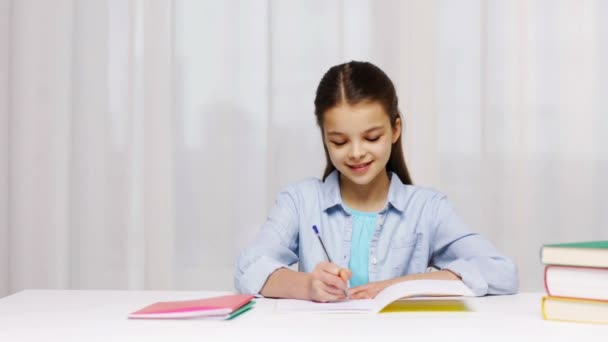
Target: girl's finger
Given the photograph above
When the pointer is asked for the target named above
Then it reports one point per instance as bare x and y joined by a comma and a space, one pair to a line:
345, 274
333, 290
333, 280
359, 295
329, 294
357, 289
329, 267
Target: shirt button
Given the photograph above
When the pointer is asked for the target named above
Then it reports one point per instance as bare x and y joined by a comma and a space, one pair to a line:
374, 260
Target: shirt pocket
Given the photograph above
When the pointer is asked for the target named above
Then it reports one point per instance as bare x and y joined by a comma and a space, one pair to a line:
402, 254
405, 241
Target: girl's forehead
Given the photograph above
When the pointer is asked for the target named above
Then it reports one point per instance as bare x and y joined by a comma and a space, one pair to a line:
358, 118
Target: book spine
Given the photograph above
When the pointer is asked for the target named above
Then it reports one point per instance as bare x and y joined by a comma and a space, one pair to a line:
546, 283
543, 308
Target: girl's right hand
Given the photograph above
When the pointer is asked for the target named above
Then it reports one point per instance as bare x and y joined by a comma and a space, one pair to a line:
328, 282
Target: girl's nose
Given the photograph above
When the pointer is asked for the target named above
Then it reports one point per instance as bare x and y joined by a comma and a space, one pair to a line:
356, 152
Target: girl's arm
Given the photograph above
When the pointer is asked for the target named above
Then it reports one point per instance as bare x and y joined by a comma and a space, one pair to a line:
286, 283
274, 248
470, 256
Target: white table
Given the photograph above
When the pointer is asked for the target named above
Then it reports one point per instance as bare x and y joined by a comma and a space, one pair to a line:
73, 315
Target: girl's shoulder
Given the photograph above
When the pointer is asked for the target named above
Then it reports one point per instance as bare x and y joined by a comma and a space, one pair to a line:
306, 192
424, 191
305, 187
407, 192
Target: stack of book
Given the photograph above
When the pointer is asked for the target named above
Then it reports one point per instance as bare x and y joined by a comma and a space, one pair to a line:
576, 281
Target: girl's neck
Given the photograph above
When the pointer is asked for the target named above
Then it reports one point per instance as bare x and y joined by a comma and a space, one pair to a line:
370, 197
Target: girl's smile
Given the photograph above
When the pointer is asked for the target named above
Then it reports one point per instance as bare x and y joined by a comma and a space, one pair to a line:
360, 168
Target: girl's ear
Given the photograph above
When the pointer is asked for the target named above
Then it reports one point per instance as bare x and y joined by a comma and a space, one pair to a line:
397, 130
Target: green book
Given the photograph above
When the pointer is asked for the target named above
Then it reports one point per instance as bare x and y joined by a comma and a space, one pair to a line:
243, 309
585, 254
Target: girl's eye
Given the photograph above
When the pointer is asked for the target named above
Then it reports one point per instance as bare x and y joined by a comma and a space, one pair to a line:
338, 143
373, 139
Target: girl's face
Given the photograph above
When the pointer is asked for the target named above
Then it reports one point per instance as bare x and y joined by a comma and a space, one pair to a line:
359, 140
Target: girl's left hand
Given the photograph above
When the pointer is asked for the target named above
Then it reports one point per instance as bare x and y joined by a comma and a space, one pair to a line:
369, 290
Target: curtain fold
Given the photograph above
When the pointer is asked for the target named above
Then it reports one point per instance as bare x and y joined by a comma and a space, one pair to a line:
5, 16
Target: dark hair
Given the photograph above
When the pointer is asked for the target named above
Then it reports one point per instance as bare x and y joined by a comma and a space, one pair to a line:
353, 83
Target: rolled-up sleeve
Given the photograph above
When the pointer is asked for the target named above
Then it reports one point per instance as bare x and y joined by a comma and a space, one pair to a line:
275, 246
455, 248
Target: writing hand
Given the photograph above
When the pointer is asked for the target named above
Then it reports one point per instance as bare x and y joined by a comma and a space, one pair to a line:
328, 282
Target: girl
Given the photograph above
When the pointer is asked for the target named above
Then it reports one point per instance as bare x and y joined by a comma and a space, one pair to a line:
377, 228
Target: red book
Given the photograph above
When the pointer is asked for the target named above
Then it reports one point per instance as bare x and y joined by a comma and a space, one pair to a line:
577, 282
223, 307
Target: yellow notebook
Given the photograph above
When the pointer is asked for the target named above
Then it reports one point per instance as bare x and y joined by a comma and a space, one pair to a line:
426, 305
391, 299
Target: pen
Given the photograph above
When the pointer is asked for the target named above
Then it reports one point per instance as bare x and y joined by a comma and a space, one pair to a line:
325, 250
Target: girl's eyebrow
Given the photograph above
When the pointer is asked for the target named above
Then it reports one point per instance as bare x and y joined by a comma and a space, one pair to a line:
366, 131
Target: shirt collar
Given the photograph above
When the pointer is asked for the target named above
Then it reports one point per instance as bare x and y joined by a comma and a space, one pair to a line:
332, 197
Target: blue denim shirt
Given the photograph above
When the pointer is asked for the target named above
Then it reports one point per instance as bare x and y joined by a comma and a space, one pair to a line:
416, 228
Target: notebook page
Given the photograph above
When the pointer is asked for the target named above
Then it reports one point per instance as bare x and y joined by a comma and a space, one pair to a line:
296, 305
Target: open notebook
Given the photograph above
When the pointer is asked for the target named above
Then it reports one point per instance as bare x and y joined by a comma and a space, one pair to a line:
391, 294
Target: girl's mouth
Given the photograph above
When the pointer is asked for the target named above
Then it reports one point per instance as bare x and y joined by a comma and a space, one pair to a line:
360, 168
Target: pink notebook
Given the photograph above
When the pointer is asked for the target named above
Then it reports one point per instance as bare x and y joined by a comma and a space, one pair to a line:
222, 307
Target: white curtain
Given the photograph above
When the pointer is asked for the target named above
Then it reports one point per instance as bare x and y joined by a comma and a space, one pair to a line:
142, 142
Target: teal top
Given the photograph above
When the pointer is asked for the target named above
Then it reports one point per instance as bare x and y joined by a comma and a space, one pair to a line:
364, 224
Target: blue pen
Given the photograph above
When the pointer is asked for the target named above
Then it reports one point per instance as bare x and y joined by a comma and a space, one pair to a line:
325, 250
